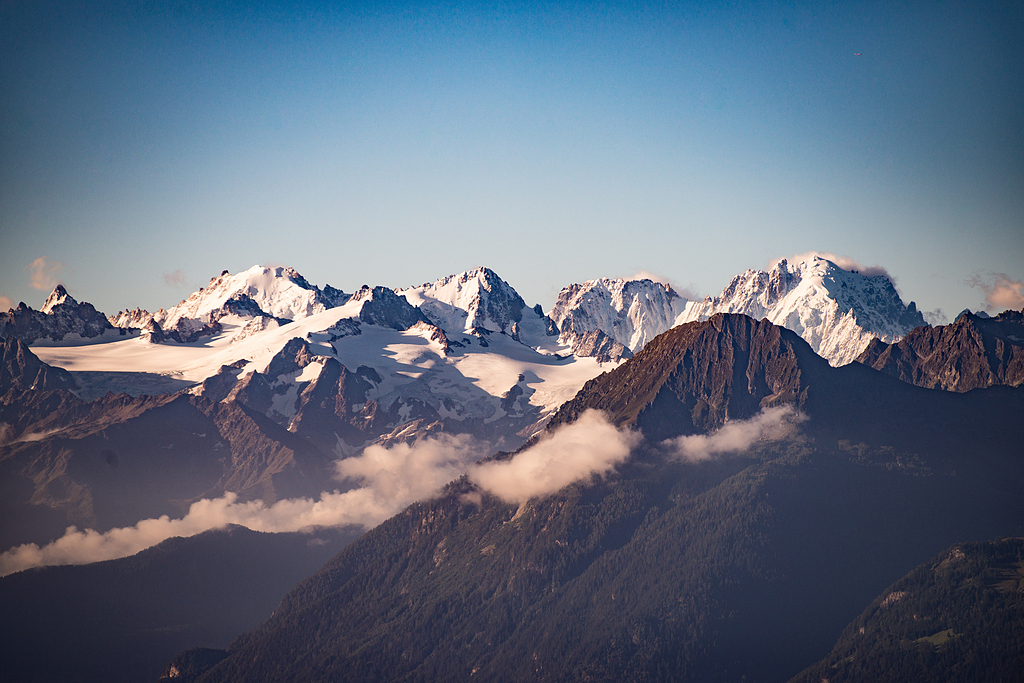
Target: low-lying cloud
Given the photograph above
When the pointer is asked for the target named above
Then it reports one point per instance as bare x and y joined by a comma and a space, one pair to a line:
589, 447
770, 424
6, 304
43, 273
844, 262
1001, 292
389, 478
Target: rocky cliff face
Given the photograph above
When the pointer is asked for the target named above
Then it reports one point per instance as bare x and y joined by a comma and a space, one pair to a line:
697, 376
971, 353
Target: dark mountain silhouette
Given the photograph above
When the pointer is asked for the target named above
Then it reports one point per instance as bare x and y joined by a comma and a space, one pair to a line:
123, 620
958, 617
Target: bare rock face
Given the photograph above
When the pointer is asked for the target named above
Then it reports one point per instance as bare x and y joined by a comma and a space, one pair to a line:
597, 344
697, 376
971, 353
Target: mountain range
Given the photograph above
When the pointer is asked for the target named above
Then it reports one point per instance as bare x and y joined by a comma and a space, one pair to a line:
655, 488
261, 380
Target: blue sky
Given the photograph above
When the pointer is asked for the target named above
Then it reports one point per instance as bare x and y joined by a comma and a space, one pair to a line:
146, 147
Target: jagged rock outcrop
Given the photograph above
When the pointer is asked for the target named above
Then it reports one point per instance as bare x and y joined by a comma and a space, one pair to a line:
381, 306
333, 408
598, 345
970, 353
697, 376
135, 318
60, 316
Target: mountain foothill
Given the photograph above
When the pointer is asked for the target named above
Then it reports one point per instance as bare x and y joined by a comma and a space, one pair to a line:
796, 446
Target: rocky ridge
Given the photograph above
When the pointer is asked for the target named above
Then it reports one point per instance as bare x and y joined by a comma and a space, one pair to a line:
970, 353
60, 316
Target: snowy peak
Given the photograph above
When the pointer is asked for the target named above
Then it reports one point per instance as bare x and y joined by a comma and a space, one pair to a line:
836, 311
58, 296
475, 299
278, 292
630, 312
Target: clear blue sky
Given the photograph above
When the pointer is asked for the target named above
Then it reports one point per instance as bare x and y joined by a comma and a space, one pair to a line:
145, 147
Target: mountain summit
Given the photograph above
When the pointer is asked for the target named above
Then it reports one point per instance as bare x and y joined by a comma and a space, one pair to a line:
838, 312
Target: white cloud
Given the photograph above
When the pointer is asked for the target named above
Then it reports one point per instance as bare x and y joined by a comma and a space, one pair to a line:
174, 279
935, 318
588, 447
404, 473
43, 273
6, 304
1001, 293
770, 424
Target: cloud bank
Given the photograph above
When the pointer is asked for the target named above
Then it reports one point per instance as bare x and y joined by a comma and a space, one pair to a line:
589, 447
1001, 293
389, 478
43, 273
770, 424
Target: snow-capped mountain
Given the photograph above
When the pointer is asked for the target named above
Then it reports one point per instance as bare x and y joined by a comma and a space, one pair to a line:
280, 292
477, 302
615, 316
463, 353
838, 312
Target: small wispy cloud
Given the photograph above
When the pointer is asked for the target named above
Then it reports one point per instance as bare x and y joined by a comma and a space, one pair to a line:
770, 424
43, 273
589, 447
390, 478
936, 317
844, 262
175, 279
6, 304
1001, 292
